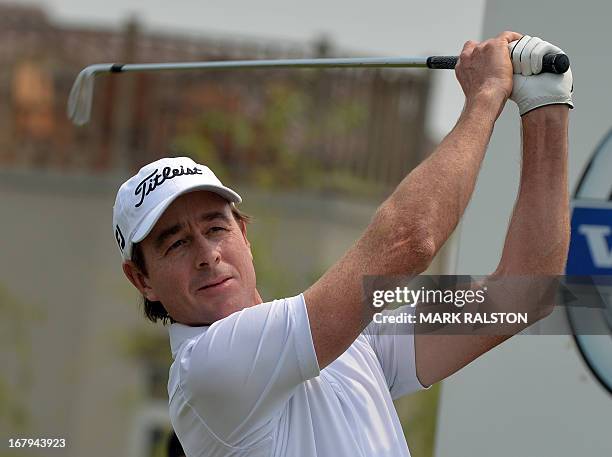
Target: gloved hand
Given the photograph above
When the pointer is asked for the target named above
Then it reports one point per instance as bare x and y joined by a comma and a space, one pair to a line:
532, 89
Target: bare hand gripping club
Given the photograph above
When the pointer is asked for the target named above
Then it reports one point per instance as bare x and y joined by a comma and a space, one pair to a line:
81, 95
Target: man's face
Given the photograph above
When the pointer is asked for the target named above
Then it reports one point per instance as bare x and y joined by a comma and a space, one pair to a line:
199, 261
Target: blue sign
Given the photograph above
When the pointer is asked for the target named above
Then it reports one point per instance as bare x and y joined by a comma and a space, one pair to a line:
590, 251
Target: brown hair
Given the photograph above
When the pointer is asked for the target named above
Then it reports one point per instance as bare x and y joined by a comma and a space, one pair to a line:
154, 310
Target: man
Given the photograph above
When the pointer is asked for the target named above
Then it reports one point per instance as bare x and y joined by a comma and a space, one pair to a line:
311, 375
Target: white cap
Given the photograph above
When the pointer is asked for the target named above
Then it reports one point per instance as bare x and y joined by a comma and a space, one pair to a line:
143, 198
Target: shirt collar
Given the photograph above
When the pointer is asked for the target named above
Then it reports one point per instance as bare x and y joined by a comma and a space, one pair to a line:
179, 333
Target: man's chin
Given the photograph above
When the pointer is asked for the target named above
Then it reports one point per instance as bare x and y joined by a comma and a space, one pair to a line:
220, 307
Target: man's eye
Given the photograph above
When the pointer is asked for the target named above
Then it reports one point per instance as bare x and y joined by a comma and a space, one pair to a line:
176, 244
217, 229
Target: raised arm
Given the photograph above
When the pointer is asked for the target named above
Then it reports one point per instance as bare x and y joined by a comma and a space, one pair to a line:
414, 222
538, 236
536, 243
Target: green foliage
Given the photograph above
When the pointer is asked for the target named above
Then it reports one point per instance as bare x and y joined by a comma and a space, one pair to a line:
272, 281
418, 413
160, 446
198, 144
272, 147
17, 323
343, 118
145, 344
339, 182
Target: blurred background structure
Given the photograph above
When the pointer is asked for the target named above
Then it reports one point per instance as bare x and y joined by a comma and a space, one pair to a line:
539, 395
312, 152
363, 124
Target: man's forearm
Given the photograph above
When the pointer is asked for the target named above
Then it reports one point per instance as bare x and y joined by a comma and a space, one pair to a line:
538, 236
536, 245
436, 193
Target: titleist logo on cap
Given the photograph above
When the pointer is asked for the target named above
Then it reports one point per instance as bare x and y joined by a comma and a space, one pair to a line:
155, 179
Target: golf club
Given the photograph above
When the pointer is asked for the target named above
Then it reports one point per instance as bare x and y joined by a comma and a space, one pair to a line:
81, 95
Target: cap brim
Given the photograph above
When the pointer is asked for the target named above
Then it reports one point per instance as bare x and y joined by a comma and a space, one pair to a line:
151, 219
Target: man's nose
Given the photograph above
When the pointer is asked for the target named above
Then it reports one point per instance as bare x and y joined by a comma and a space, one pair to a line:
206, 252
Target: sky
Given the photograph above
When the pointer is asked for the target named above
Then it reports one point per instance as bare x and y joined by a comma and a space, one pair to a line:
379, 28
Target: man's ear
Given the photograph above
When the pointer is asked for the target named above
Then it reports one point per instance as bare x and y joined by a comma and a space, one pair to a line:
139, 280
243, 229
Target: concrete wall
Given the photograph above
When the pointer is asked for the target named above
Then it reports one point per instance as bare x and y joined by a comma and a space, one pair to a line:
533, 395
58, 259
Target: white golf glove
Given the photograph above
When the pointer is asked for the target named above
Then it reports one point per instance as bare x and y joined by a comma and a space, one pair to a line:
533, 89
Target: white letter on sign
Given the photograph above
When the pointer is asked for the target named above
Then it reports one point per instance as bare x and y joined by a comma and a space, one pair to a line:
596, 239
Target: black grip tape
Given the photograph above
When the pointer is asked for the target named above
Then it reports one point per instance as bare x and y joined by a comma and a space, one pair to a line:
555, 63
116, 68
551, 63
442, 62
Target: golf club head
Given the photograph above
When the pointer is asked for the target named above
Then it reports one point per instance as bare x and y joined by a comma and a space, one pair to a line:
80, 99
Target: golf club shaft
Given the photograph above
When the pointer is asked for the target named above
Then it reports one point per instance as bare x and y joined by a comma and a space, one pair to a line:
81, 95
552, 63
405, 62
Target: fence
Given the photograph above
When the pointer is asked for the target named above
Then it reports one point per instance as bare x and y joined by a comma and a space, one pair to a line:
325, 128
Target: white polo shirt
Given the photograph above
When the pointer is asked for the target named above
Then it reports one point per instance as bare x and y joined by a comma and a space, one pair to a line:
250, 385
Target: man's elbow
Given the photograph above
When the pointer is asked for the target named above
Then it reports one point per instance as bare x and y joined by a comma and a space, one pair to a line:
416, 253
409, 244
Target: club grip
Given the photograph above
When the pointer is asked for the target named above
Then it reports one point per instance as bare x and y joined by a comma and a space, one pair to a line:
555, 63
442, 62
551, 63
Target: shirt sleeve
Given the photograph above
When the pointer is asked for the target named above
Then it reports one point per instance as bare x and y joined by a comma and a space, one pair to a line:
244, 368
393, 344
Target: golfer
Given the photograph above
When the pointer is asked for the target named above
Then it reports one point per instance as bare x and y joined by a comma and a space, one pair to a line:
311, 375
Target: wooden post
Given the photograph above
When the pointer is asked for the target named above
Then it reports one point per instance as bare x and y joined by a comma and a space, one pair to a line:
123, 103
